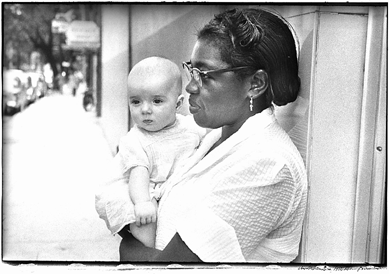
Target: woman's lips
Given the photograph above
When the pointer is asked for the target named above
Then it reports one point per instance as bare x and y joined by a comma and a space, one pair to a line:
193, 108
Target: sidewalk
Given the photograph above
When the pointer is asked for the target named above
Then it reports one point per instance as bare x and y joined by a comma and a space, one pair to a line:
54, 154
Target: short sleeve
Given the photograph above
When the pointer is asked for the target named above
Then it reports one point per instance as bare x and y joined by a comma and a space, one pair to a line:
131, 152
256, 211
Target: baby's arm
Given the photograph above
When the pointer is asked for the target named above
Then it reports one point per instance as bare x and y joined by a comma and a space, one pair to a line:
145, 210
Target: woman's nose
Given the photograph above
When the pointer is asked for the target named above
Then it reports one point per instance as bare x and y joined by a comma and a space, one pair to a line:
192, 87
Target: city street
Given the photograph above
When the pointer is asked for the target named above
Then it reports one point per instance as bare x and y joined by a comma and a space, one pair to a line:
54, 154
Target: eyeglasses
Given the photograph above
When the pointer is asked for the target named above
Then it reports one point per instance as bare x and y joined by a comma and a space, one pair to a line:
198, 75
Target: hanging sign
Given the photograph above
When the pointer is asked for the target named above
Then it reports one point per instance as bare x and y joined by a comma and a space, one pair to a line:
83, 35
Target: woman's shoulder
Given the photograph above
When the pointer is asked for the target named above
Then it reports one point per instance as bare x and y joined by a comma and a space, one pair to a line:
281, 146
274, 144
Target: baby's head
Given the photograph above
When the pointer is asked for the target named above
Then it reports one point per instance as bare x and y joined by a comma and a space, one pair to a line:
154, 87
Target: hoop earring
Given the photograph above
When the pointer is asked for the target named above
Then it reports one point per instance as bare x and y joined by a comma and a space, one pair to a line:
251, 103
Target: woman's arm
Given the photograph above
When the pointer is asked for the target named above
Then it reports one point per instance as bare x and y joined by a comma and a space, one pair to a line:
131, 250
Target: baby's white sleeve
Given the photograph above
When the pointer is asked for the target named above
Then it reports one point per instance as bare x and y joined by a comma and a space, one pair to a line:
131, 152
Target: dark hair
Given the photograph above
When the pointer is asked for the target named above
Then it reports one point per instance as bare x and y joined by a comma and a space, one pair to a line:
259, 39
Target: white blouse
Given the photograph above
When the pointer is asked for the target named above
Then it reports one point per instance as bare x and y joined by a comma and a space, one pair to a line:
244, 201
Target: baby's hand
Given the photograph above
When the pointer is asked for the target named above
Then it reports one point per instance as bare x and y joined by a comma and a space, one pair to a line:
145, 213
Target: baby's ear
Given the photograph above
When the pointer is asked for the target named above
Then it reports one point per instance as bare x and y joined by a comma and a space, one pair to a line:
180, 102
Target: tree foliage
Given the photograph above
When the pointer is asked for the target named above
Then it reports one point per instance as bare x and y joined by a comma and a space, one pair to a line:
27, 27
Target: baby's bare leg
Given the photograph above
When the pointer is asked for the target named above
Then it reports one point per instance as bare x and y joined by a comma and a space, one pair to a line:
144, 233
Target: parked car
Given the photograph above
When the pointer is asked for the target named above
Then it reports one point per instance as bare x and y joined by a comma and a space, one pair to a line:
14, 92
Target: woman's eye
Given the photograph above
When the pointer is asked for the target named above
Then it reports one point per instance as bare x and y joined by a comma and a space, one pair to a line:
204, 76
135, 102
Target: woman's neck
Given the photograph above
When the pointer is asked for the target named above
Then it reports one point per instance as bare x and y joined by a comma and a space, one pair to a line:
229, 130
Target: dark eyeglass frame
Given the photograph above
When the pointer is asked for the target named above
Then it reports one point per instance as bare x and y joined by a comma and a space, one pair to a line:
197, 74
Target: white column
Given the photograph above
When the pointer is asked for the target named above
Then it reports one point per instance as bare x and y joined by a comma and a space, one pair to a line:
115, 57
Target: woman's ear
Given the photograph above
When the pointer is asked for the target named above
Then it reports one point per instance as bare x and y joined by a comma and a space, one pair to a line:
259, 84
180, 102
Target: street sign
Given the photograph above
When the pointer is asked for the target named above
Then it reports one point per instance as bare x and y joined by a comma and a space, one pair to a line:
83, 35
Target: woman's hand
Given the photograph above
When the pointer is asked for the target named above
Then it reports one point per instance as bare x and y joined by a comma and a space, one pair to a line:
145, 213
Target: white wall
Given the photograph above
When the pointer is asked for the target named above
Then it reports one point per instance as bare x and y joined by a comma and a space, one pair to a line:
114, 71
340, 67
334, 138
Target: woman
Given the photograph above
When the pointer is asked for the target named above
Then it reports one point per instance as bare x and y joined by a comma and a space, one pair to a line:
242, 196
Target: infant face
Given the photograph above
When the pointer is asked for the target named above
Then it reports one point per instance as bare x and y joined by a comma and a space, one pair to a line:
153, 103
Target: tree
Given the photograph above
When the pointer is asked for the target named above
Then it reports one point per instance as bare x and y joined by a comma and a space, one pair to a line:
27, 27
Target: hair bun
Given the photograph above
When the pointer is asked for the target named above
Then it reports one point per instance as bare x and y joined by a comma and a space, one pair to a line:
242, 30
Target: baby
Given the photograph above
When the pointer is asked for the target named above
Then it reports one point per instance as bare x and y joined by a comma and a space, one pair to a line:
158, 142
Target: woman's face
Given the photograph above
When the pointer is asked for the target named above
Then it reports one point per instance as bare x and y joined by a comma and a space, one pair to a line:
223, 98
